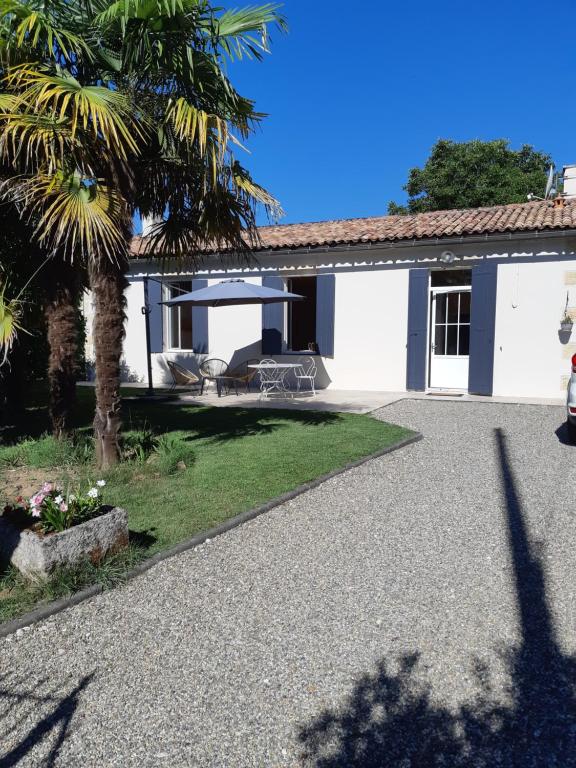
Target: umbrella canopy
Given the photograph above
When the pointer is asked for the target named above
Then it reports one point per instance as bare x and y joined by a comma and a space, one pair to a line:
230, 292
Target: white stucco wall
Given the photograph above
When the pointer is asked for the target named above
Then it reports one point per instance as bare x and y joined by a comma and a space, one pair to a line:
88, 312
134, 352
371, 314
370, 331
530, 359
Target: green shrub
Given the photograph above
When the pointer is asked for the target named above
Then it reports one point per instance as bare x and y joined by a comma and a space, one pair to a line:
47, 451
137, 444
11, 456
172, 452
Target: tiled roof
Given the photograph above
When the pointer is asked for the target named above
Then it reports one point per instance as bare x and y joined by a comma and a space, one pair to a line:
518, 217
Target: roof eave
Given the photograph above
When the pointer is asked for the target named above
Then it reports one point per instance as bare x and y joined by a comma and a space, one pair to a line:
413, 242
341, 247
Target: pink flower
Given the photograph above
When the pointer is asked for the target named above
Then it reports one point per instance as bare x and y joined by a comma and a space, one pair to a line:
37, 499
47, 488
63, 507
35, 512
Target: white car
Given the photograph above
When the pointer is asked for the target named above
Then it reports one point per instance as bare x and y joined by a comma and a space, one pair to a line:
571, 402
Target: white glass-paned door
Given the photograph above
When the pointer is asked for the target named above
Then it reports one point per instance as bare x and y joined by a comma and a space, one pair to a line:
450, 338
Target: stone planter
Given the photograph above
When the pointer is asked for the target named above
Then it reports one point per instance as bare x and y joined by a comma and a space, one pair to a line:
36, 556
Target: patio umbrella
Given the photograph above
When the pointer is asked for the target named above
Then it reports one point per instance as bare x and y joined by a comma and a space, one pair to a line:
231, 292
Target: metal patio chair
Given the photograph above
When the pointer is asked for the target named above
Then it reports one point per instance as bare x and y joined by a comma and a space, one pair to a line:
271, 379
245, 375
216, 370
306, 374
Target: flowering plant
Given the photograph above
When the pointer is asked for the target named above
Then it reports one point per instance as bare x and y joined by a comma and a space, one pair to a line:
52, 510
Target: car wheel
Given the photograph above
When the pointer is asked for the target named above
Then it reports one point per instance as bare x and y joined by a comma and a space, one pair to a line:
571, 427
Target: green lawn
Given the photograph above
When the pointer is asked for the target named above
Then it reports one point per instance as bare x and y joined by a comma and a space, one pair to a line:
212, 463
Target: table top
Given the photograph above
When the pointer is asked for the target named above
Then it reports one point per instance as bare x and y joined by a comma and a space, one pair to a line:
276, 365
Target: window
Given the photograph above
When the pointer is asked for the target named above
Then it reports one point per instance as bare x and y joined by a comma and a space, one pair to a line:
446, 277
302, 315
179, 318
452, 323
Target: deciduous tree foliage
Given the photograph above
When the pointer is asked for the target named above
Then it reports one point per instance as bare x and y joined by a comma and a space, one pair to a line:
472, 174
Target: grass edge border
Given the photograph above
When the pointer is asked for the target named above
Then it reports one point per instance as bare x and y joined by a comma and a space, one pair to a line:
57, 606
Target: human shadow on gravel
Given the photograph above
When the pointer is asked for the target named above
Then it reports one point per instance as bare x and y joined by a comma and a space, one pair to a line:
390, 719
55, 721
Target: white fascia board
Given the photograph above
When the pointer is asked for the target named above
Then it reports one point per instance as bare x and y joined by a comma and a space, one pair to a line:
547, 246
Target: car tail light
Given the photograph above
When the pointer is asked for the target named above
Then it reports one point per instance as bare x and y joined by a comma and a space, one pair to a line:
573, 363
572, 410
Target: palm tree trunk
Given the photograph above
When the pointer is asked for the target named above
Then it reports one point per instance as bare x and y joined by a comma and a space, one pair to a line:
108, 283
62, 320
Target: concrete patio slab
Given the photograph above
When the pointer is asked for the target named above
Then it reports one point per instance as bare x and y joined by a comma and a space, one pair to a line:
346, 401
336, 400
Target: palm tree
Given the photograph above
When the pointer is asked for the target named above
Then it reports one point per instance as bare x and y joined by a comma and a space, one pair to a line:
59, 288
64, 283
55, 290
130, 110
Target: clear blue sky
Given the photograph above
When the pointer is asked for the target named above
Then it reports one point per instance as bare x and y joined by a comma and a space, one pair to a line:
358, 92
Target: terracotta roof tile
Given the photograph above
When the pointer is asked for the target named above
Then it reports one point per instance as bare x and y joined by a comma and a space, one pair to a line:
518, 217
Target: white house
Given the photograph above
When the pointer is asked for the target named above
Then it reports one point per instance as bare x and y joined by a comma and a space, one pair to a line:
467, 300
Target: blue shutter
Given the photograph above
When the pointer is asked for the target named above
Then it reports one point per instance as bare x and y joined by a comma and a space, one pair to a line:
156, 323
482, 327
325, 298
418, 290
199, 322
272, 320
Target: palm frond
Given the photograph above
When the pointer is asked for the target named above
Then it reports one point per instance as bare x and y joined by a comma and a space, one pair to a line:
243, 181
122, 10
244, 32
28, 141
105, 112
205, 215
11, 311
34, 28
193, 124
8, 103
193, 232
75, 216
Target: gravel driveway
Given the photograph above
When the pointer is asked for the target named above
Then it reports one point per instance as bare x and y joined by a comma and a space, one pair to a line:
416, 611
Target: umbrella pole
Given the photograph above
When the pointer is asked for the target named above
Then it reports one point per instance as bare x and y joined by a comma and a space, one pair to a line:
146, 310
